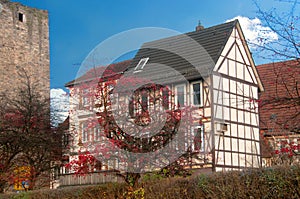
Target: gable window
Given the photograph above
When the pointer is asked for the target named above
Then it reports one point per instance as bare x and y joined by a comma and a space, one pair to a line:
140, 66
196, 94
180, 95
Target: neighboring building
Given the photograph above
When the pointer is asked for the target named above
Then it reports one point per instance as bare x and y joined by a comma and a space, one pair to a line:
24, 42
279, 106
62, 153
78, 134
210, 70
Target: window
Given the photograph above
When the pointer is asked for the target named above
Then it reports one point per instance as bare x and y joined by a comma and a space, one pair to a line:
21, 17
196, 94
110, 89
144, 101
56, 172
86, 132
180, 95
112, 97
198, 144
131, 107
98, 165
66, 139
139, 67
84, 98
96, 133
166, 98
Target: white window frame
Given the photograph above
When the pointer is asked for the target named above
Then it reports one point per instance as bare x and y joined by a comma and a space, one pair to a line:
97, 133
140, 66
85, 98
176, 94
112, 96
141, 100
192, 93
201, 137
167, 88
85, 133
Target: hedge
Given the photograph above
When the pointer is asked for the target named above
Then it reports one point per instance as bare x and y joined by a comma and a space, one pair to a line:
276, 182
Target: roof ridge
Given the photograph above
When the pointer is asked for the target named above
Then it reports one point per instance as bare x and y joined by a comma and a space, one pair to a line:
280, 62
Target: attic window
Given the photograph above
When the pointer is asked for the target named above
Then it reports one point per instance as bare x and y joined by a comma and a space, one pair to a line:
21, 17
139, 67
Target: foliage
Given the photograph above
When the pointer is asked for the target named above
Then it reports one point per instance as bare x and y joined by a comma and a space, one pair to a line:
287, 154
26, 137
123, 118
83, 164
174, 169
277, 182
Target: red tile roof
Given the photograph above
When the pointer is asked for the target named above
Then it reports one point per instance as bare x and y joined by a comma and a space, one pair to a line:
280, 103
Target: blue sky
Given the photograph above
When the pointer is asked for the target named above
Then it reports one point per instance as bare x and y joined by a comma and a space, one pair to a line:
76, 27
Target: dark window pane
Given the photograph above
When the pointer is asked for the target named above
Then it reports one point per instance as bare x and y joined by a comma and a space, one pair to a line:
144, 101
21, 17
180, 96
197, 139
165, 99
196, 94
131, 108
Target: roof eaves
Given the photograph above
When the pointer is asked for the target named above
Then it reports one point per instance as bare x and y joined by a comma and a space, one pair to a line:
82, 79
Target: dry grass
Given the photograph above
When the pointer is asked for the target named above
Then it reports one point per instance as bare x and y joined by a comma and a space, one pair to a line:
277, 182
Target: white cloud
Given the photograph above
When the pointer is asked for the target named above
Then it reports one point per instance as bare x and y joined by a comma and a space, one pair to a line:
255, 33
59, 105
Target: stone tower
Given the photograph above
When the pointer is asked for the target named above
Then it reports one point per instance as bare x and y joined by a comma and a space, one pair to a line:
24, 43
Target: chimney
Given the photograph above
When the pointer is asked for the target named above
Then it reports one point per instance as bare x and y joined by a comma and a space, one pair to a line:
199, 27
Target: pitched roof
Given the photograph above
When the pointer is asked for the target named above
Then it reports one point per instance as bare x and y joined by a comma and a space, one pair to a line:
192, 54
186, 56
280, 102
101, 72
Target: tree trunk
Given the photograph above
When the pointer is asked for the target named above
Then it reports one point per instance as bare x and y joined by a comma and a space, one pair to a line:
132, 179
2, 185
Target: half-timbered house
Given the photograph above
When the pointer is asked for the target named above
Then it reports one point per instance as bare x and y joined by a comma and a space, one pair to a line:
210, 71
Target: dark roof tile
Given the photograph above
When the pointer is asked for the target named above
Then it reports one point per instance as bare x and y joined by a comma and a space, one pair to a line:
192, 55
101, 72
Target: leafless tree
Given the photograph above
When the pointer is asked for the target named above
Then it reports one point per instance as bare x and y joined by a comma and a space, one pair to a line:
287, 26
26, 136
280, 102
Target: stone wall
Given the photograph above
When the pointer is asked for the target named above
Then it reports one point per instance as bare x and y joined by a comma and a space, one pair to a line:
24, 43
